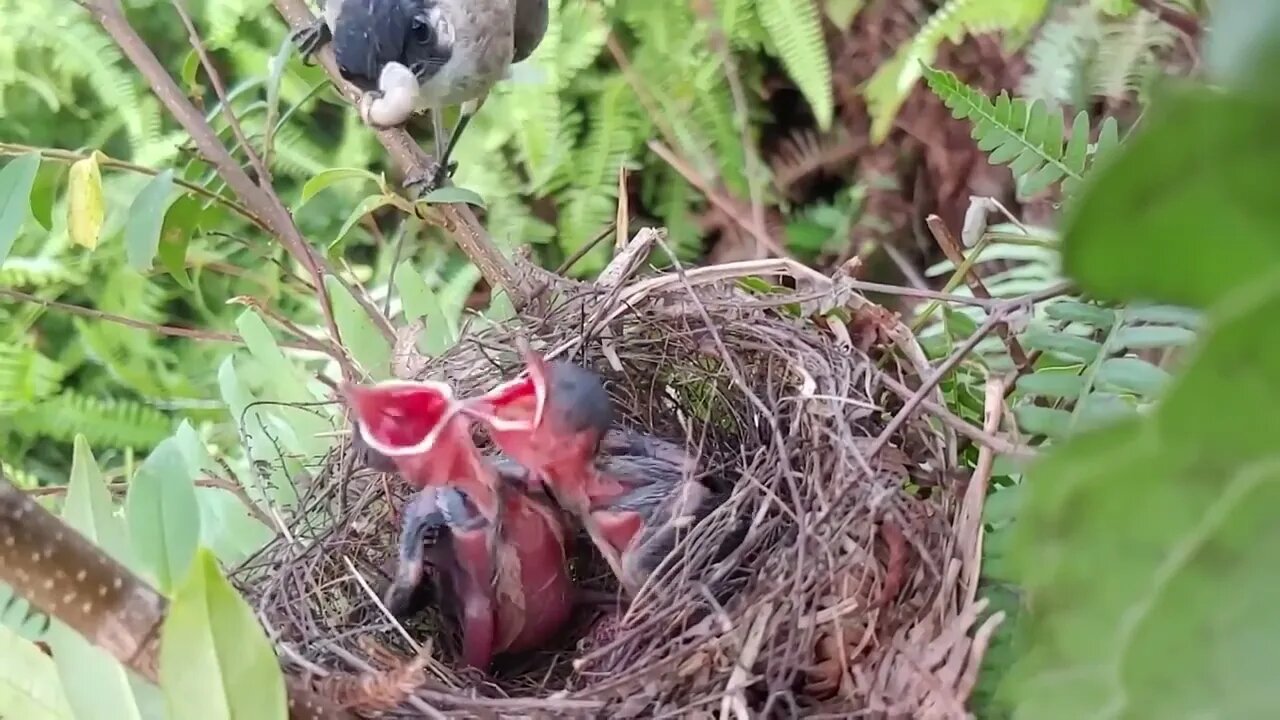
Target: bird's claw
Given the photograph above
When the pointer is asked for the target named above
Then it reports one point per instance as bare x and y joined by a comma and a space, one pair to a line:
310, 39
434, 176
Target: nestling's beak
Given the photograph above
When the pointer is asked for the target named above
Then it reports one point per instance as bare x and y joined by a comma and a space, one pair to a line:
400, 418
517, 405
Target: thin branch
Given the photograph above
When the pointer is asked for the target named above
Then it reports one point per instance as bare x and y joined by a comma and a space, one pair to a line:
59, 570
951, 249
751, 159
220, 90
759, 232
262, 200
169, 330
205, 482
68, 157
458, 218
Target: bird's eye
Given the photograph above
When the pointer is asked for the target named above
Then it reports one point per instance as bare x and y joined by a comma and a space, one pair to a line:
421, 30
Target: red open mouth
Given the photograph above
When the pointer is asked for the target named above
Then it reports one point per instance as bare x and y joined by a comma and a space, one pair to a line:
400, 417
514, 405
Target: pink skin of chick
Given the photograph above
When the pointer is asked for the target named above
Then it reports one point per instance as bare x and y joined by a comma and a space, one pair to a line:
507, 565
630, 491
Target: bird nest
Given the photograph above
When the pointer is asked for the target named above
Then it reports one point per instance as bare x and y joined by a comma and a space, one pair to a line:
848, 589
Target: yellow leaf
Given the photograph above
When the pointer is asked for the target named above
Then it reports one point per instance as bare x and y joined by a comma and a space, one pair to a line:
85, 205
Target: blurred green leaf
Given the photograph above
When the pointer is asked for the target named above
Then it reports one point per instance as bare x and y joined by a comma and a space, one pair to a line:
180, 222
1062, 344
16, 180
453, 194
366, 206
164, 518
1145, 337
95, 683
29, 684
1200, 166
43, 193
215, 660
366, 343
331, 177
145, 220
420, 301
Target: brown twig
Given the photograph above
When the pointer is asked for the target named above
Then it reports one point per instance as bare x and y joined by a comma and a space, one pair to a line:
951, 249
170, 330
460, 221
751, 159
64, 575
205, 482
759, 232
262, 200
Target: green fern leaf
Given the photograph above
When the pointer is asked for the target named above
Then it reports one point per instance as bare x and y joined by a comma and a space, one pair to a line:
795, 26
109, 422
1027, 138
893, 81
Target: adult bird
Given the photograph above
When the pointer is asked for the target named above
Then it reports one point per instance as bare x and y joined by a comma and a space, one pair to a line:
412, 55
631, 491
500, 553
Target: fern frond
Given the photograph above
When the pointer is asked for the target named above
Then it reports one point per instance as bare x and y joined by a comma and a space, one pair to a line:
1027, 138
1127, 54
893, 81
795, 27
26, 376
105, 422
1056, 57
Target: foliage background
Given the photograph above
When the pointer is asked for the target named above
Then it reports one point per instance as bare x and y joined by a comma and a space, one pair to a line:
812, 128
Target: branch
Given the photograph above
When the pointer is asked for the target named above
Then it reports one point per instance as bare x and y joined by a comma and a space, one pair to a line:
263, 201
55, 567
459, 220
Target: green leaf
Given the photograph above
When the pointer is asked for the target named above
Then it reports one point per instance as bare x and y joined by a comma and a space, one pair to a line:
164, 518
1062, 344
453, 194
1152, 336
29, 684
1132, 375
16, 180
330, 177
1072, 311
145, 220
1053, 384
270, 484
86, 207
215, 660
95, 683
43, 193
1204, 471
1199, 166
289, 386
1049, 422
366, 343
420, 301
180, 222
89, 508
366, 206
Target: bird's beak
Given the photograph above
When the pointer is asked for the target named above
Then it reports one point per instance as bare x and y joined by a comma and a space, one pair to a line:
516, 405
399, 418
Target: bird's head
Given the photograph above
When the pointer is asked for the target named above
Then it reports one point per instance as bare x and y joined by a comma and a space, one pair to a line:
550, 419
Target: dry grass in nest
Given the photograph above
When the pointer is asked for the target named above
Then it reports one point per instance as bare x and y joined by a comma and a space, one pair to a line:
850, 594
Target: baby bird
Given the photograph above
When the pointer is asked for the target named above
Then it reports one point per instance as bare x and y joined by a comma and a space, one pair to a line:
413, 55
632, 492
